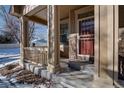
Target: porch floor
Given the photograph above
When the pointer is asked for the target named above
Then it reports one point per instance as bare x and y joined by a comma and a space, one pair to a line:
69, 78
80, 79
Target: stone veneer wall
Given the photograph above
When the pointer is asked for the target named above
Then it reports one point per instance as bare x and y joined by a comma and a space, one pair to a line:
72, 36
73, 46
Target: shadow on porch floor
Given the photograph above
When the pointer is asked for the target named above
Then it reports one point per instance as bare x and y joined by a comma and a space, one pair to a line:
69, 78
76, 79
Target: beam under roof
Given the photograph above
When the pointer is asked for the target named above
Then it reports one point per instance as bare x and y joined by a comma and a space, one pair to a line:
37, 19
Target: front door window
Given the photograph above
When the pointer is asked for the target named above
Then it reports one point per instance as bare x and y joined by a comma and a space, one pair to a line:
86, 36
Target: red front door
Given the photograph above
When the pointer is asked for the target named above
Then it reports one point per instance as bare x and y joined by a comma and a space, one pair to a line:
86, 36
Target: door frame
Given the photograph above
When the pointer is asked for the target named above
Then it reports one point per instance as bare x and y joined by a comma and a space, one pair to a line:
78, 37
81, 11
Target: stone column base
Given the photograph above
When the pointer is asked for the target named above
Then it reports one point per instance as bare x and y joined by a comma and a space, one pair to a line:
53, 69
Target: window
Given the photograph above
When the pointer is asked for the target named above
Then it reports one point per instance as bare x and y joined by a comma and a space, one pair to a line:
64, 33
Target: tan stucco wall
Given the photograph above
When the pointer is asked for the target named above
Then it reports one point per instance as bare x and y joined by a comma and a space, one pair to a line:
103, 40
106, 41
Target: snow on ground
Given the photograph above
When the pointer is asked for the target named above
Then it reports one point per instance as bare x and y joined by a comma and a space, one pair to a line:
12, 51
12, 56
8, 56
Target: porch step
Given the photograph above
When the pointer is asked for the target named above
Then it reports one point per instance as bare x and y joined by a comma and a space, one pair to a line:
73, 79
76, 80
38, 70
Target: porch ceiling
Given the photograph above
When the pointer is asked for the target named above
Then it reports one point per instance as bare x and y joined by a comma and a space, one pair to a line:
42, 14
64, 10
39, 14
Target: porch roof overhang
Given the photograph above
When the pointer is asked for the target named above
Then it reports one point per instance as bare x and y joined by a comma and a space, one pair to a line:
16, 10
36, 13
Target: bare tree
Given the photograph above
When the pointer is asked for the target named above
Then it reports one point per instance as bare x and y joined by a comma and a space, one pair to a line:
12, 25
31, 31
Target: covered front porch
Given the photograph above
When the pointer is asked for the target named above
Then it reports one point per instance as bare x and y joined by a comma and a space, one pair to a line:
78, 46
63, 33
61, 57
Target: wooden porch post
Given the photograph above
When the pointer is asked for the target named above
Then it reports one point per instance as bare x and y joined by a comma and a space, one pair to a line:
97, 40
24, 38
116, 34
53, 39
105, 38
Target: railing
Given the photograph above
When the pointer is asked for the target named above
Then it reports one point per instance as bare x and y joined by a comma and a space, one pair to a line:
36, 55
